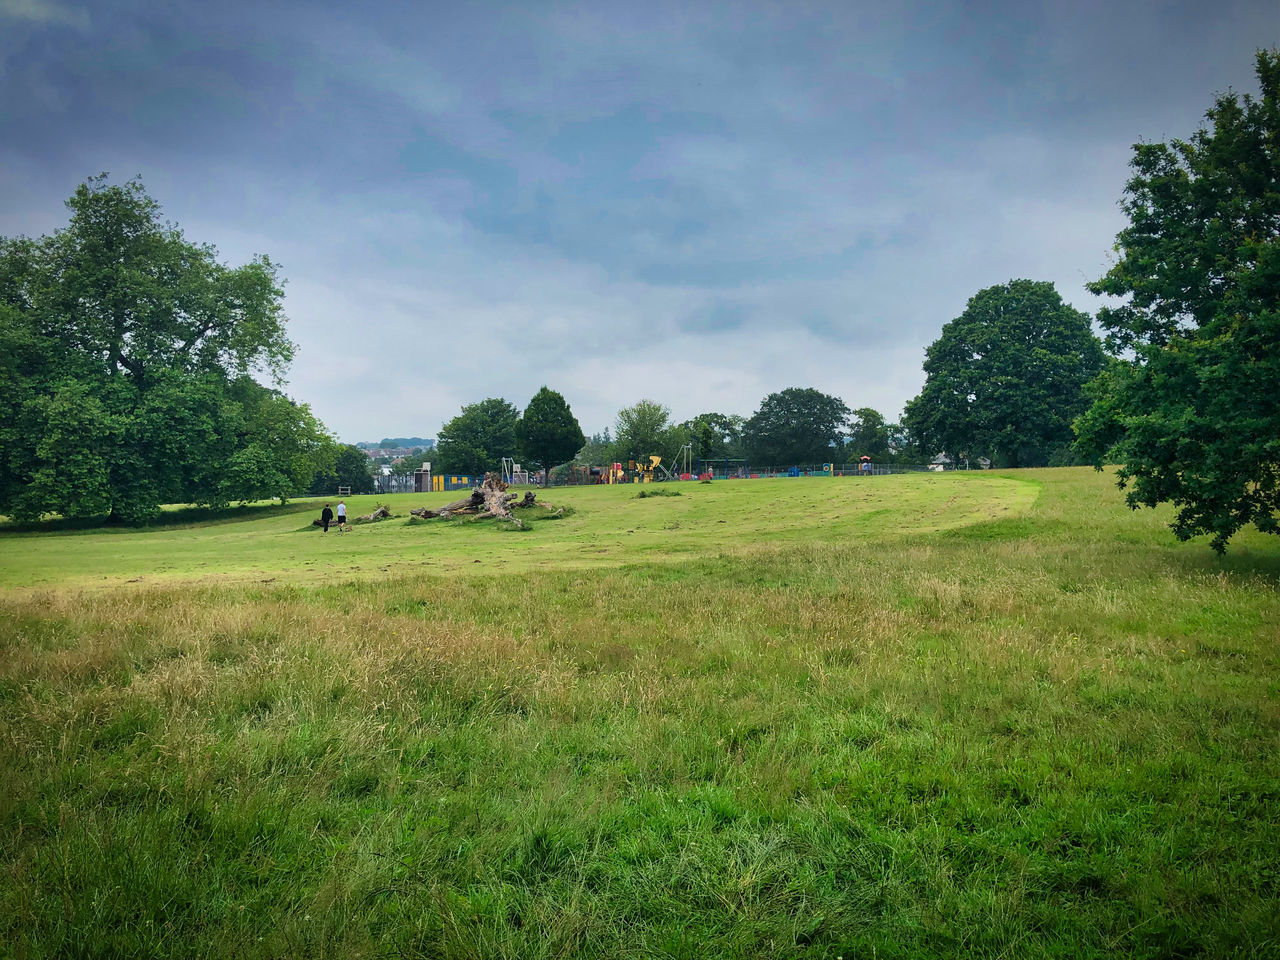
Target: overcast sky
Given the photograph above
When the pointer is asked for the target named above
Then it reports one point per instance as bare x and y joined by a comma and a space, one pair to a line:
698, 203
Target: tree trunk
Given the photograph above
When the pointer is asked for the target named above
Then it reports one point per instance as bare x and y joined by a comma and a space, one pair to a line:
490, 499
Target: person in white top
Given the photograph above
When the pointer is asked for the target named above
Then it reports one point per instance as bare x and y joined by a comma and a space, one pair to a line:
342, 517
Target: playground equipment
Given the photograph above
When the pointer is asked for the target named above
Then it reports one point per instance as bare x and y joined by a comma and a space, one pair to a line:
512, 472
613, 473
643, 472
684, 460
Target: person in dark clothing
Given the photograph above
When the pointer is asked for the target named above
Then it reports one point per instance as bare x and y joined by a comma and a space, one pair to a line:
326, 518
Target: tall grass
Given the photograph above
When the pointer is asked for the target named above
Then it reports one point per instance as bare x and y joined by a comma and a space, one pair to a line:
1043, 736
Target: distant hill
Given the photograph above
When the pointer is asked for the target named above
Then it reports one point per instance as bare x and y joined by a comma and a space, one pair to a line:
399, 443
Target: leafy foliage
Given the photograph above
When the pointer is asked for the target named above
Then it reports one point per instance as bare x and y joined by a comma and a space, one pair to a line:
478, 438
1192, 410
798, 425
596, 451
548, 432
642, 431
126, 356
1006, 378
351, 468
868, 435
715, 436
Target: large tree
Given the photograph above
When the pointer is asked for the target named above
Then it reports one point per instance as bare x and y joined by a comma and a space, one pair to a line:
800, 425
1191, 408
642, 431
715, 436
1006, 378
121, 344
476, 440
868, 435
351, 468
596, 451
548, 433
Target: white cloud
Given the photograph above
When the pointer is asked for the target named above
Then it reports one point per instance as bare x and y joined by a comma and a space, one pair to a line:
46, 12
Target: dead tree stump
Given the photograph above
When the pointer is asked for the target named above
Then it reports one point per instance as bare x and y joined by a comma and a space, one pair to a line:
490, 499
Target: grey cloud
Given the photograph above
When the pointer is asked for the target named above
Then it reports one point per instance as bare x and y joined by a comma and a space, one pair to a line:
697, 203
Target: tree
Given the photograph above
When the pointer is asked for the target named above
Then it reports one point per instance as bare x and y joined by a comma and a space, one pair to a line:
798, 425
1191, 408
477, 439
904, 447
715, 436
643, 431
273, 446
121, 345
868, 435
549, 433
1006, 378
351, 468
596, 451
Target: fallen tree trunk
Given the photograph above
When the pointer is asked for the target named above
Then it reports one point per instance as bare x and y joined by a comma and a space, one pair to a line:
490, 499
467, 504
530, 501
497, 502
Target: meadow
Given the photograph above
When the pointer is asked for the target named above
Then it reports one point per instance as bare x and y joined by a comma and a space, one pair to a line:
965, 715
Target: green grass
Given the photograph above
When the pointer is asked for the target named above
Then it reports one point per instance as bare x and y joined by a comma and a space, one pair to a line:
953, 716
609, 526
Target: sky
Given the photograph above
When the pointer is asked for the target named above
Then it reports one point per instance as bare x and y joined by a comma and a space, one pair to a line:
699, 204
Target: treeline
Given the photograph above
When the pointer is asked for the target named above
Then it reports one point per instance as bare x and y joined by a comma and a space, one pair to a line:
130, 358
795, 426
1004, 383
799, 425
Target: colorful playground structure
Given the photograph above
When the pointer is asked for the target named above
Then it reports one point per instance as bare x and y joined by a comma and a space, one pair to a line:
652, 470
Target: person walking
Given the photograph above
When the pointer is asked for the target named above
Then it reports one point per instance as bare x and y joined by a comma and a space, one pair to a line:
326, 518
342, 516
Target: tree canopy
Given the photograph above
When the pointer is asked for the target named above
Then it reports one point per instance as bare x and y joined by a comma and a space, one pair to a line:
549, 433
125, 361
868, 435
798, 425
596, 451
1006, 378
351, 468
642, 431
1191, 407
477, 439
714, 436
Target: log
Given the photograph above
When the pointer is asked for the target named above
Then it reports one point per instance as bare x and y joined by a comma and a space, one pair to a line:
530, 500
468, 504
380, 514
496, 499
490, 499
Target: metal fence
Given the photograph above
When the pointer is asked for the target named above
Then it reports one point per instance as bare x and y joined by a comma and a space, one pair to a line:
582, 476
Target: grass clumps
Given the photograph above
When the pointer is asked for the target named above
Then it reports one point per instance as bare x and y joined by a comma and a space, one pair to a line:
657, 492
1047, 740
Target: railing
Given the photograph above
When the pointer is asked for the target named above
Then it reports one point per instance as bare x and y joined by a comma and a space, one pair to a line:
580, 476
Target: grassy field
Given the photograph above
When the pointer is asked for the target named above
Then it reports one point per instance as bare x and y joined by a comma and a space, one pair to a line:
608, 526
987, 715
